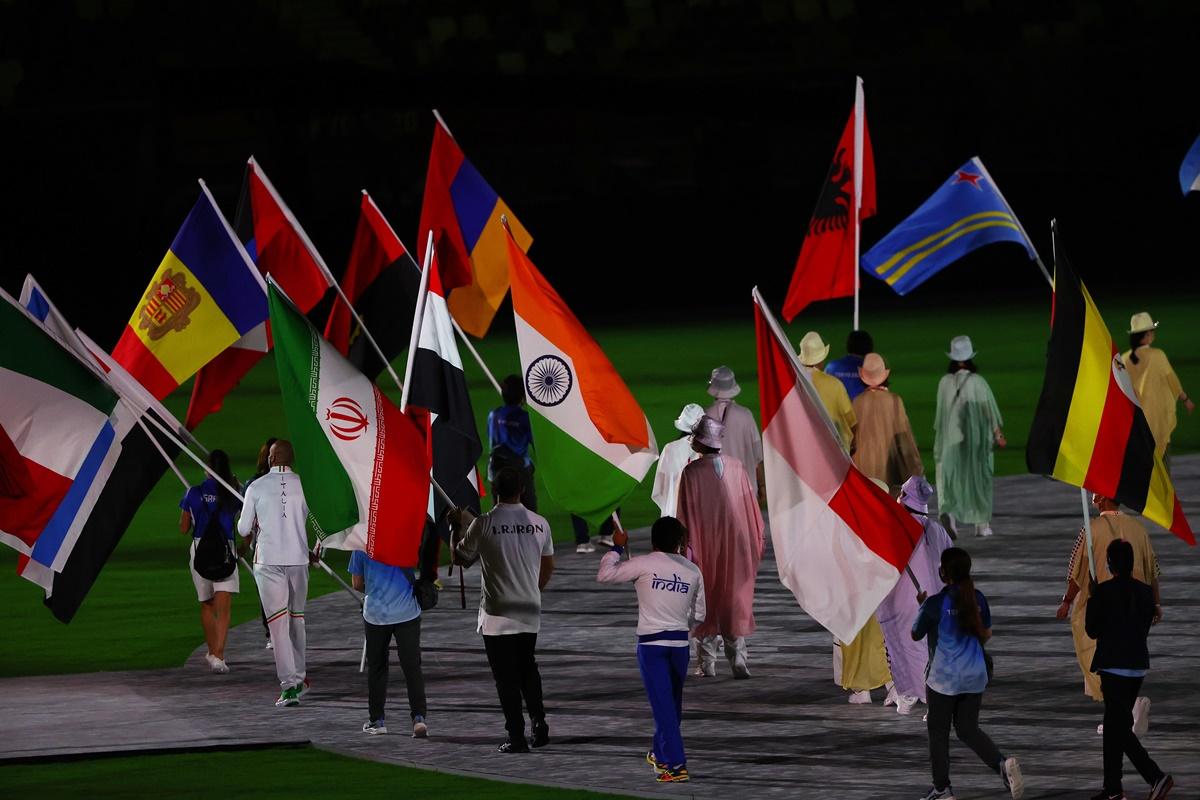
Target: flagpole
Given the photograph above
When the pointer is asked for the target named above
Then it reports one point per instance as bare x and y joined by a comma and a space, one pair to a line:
859, 111
1036, 256
418, 320
1087, 531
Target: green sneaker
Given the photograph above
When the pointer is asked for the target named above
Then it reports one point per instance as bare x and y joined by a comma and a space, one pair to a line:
289, 697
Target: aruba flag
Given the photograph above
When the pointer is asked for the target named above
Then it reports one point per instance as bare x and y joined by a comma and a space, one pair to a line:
966, 213
464, 213
204, 296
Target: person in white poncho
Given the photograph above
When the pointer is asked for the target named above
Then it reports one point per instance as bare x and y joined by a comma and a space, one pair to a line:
674, 457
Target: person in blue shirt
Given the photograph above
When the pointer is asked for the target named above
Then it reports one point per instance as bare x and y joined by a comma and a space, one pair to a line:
510, 438
845, 369
957, 622
199, 504
390, 610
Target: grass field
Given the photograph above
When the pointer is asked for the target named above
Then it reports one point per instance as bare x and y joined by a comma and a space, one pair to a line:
142, 612
283, 772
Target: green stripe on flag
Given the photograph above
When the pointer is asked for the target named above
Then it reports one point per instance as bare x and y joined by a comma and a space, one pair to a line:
579, 480
327, 487
34, 353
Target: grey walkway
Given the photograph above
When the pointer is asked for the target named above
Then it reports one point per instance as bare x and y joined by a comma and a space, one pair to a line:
784, 733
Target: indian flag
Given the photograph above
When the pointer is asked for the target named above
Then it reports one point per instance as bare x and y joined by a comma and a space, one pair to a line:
364, 464
593, 443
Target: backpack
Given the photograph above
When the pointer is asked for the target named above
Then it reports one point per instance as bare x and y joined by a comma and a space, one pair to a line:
423, 590
214, 559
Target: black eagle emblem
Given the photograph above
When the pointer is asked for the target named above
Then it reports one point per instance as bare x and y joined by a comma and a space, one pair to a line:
833, 206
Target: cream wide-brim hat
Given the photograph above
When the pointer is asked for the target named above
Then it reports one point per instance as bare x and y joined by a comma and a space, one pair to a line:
961, 349
722, 384
1142, 322
874, 370
812, 350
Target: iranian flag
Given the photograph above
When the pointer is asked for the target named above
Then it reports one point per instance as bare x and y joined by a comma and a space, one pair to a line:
592, 442
840, 541
365, 465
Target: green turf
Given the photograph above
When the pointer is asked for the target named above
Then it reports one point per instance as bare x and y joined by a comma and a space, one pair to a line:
284, 772
142, 612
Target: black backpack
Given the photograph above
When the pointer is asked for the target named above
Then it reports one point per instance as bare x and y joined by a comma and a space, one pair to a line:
214, 559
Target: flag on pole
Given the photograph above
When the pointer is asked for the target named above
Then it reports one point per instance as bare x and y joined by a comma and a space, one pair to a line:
840, 541
1089, 429
464, 212
826, 267
365, 464
964, 214
280, 248
593, 442
204, 296
1189, 170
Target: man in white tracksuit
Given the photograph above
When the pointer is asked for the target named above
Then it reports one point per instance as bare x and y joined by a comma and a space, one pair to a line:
275, 507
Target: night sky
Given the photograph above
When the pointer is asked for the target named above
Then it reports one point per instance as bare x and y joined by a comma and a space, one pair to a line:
645, 144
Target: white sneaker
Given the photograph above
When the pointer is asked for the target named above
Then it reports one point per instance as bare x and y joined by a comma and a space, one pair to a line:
905, 703
218, 665
374, 728
269, 645
585, 547
1141, 716
983, 530
208, 659
605, 540
892, 696
1100, 729
1010, 771
860, 698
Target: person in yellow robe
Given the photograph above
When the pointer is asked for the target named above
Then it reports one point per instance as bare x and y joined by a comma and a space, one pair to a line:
813, 352
1157, 386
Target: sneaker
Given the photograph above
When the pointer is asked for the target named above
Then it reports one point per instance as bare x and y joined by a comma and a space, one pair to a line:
1141, 716
983, 530
302, 689
860, 698
269, 645
1010, 773
1104, 794
905, 703
289, 697
514, 746
892, 696
705, 669
1100, 729
935, 793
374, 728
420, 729
673, 775
218, 666
605, 540
541, 734
437, 584
585, 547
1159, 790
654, 762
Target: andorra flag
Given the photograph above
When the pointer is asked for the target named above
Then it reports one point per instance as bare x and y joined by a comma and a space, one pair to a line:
205, 296
1089, 429
593, 442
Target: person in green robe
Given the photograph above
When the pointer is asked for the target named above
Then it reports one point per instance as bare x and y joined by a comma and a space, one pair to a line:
966, 428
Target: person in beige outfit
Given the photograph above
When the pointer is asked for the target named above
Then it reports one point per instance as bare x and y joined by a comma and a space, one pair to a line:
1157, 386
884, 446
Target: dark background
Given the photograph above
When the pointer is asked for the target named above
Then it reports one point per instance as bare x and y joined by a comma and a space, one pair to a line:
648, 145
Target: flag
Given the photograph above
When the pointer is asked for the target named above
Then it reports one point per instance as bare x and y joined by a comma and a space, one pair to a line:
280, 248
464, 212
594, 444
204, 296
1089, 429
1189, 170
840, 541
964, 214
828, 263
76, 464
365, 465
380, 280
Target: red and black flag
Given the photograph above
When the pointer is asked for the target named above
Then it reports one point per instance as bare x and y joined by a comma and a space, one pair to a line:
1089, 429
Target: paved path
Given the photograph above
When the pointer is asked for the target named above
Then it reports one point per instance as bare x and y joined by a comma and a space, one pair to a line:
783, 733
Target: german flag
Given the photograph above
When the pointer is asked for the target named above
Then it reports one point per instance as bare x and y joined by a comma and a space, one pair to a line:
1089, 429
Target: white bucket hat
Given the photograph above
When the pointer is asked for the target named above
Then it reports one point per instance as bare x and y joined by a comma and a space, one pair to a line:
688, 418
722, 385
874, 370
812, 349
961, 349
1142, 322
709, 431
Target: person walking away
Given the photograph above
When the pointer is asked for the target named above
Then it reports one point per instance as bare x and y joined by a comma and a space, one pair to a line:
832, 391
845, 369
966, 426
957, 622
674, 457
516, 557
861, 664
262, 467
741, 438
1119, 614
200, 504
1110, 525
718, 507
670, 592
884, 446
1157, 386
276, 508
510, 438
390, 611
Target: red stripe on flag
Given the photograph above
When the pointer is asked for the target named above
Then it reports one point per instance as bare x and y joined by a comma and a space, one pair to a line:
1112, 436
776, 377
132, 354
29, 492
217, 379
1179, 524
438, 213
876, 518
402, 460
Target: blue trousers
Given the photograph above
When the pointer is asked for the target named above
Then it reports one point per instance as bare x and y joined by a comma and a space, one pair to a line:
663, 671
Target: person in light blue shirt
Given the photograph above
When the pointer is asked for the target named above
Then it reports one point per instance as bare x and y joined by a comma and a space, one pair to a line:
390, 610
845, 369
957, 622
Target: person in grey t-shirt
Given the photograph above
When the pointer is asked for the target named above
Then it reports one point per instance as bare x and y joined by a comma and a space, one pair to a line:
516, 557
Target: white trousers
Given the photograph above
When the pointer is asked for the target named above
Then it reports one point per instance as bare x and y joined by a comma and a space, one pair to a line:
283, 591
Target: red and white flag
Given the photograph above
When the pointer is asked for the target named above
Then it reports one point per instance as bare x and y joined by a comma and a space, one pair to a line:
840, 541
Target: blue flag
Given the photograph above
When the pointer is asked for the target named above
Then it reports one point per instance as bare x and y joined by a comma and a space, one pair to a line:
1189, 170
966, 213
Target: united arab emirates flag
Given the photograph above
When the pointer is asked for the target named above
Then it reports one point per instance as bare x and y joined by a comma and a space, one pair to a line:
364, 465
592, 442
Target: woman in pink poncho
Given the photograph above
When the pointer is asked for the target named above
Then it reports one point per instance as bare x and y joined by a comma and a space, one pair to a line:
719, 508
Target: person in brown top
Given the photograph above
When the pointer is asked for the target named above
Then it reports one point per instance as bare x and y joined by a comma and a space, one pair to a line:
884, 443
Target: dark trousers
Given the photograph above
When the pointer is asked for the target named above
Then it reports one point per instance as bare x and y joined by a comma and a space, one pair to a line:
408, 647
1120, 693
663, 672
430, 550
963, 711
581, 528
516, 672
